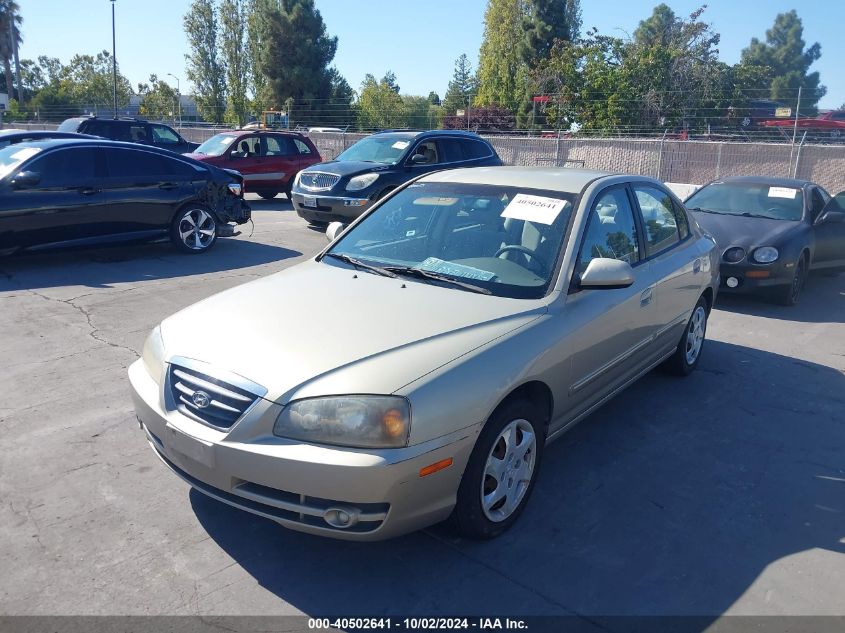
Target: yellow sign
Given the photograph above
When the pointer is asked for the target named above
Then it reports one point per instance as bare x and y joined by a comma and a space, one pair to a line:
783, 113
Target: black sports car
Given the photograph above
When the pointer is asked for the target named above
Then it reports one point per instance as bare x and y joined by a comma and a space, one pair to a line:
78, 192
772, 232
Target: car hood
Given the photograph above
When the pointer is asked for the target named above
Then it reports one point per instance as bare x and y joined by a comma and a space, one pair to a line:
348, 167
737, 230
320, 328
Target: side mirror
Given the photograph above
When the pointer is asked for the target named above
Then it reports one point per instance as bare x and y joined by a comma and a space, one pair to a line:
419, 159
831, 217
607, 274
26, 179
333, 230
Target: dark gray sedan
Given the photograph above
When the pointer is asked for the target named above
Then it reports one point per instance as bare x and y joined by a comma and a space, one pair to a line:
772, 232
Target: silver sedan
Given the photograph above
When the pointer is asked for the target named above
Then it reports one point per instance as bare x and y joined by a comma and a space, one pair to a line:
415, 369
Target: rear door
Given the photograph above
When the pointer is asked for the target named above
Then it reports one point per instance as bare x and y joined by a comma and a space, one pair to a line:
676, 266
307, 155
64, 206
142, 190
280, 162
613, 329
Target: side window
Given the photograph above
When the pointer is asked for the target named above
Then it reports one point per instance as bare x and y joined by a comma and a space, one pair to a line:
278, 146
248, 147
128, 164
611, 231
97, 128
139, 133
452, 150
476, 149
429, 150
66, 167
818, 202
301, 147
681, 220
661, 227
164, 135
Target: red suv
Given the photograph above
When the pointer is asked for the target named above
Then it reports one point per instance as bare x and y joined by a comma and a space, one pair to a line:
268, 161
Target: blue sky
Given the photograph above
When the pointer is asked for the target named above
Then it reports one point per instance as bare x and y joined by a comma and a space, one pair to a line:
418, 40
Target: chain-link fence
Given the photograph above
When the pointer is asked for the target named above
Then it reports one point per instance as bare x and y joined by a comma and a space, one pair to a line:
670, 160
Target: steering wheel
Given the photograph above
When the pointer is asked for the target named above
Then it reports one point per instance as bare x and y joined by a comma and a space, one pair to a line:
521, 249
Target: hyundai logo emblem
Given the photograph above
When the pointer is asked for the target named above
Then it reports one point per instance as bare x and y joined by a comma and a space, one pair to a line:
201, 399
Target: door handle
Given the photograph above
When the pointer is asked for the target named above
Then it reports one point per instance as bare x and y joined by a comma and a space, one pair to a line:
88, 191
646, 297
167, 186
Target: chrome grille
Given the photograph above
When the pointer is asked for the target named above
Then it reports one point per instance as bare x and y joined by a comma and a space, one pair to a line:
208, 399
317, 180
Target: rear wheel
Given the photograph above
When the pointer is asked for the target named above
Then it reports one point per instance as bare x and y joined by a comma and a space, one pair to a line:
194, 230
501, 471
688, 352
792, 293
268, 195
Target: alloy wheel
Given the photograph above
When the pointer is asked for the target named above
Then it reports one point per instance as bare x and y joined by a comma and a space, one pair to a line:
196, 229
695, 334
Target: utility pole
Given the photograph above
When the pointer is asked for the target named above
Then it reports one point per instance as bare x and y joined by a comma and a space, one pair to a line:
113, 61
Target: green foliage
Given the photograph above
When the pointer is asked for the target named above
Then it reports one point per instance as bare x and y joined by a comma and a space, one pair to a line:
10, 16
205, 68
502, 70
158, 99
546, 22
379, 105
416, 112
298, 54
461, 88
88, 81
434, 98
233, 37
785, 53
258, 14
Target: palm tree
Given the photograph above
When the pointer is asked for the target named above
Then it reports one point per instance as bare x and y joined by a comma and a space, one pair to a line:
10, 27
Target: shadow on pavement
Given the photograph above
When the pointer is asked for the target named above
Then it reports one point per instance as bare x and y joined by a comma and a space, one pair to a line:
672, 499
822, 301
105, 266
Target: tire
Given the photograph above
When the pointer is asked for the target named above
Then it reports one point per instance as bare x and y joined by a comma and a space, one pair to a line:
194, 230
688, 353
478, 517
792, 293
267, 195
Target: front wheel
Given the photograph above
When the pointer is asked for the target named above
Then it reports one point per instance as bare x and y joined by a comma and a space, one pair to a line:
267, 195
792, 293
501, 472
688, 352
194, 230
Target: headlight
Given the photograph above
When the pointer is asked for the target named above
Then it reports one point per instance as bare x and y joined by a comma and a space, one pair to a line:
361, 182
734, 254
153, 354
765, 255
354, 421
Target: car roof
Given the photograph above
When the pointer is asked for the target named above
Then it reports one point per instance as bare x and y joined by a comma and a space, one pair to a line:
93, 140
552, 178
407, 134
772, 181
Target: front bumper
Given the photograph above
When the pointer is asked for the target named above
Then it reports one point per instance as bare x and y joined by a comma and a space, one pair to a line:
749, 277
330, 208
303, 486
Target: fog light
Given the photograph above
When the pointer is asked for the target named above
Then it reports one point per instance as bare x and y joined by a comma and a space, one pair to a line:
732, 282
340, 517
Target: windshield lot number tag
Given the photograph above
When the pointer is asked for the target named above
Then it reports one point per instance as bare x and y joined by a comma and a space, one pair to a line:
783, 192
534, 208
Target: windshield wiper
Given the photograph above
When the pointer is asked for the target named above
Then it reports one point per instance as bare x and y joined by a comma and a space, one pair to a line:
357, 263
746, 214
419, 273
706, 210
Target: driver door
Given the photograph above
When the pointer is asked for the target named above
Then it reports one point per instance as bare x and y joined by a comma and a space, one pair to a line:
830, 235
431, 150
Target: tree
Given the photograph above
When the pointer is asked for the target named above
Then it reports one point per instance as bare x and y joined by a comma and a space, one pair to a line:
390, 81
785, 54
158, 99
434, 98
259, 14
461, 88
8, 9
205, 69
546, 22
298, 54
502, 71
416, 112
486, 119
338, 110
379, 106
88, 81
233, 36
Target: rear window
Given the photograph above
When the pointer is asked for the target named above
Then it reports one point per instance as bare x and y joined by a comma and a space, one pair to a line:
71, 125
131, 164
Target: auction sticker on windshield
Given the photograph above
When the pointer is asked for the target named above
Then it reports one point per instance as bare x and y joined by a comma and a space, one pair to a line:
401, 144
534, 208
436, 265
783, 192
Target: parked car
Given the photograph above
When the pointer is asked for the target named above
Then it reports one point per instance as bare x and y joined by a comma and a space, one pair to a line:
771, 232
13, 137
131, 130
268, 161
63, 193
461, 324
367, 171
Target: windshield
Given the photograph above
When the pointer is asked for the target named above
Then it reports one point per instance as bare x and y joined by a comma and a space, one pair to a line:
751, 199
216, 145
377, 149
498, 240
14, 155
